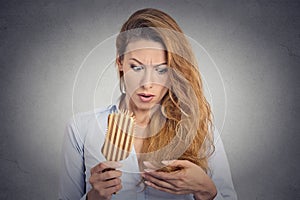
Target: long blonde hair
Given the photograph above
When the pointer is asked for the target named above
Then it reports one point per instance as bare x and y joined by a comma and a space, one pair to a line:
186, 131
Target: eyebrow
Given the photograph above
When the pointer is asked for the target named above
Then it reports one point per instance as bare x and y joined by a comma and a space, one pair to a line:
144, 64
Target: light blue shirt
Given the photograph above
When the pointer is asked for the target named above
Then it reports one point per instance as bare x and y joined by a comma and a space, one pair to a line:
85, 135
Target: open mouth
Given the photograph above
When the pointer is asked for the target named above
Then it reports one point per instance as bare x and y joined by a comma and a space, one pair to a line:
146, 97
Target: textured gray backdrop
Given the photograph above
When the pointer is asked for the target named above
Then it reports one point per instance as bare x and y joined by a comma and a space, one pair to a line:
255, 44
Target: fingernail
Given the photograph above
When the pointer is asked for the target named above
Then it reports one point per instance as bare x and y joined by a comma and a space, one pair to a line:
167, 162
148, 170
147, 182
147, 163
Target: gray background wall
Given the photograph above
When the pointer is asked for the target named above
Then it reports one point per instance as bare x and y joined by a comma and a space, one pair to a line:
255, 44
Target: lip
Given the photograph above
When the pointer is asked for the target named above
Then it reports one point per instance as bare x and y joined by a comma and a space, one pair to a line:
146, 97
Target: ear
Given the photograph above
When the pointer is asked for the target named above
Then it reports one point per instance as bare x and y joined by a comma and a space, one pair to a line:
119, 63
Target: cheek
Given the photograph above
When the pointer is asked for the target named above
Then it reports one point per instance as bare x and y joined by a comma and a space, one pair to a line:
163, 81
163, 92
164, 85
132, 81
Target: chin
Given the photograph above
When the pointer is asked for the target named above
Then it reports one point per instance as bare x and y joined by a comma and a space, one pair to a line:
144, 106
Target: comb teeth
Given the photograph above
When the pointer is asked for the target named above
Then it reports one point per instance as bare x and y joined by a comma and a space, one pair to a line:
119, 137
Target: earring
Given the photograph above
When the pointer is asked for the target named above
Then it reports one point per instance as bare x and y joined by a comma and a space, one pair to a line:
122, 85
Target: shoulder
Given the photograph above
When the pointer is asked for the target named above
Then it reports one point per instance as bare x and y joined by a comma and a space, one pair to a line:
79, 123
86, 117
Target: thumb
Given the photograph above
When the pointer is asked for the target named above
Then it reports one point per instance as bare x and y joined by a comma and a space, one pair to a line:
177, 163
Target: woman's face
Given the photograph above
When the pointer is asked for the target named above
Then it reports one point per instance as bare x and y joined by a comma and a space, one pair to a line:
145, 72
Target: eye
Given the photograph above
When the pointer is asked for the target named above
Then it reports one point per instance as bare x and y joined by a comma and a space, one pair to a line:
136, 68
162, 69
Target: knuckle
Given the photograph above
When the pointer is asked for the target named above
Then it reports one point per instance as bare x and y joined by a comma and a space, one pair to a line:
97, 188
106, 173
101, 193
109, 173
119, 173
119, 180
114, 181
180, 184
91, 180
120, 187
101, 166
178, 187
181, 177
93, 168
102, 177
177, 183
96, 168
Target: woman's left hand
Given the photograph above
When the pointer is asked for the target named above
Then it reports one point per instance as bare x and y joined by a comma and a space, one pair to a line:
191, 179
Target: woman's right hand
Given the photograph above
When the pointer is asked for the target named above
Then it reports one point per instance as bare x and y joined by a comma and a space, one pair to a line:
105, 181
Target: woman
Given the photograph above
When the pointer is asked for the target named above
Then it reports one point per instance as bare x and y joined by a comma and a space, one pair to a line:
174, 148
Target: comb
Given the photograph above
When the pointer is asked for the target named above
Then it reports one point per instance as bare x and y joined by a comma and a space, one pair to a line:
119, 136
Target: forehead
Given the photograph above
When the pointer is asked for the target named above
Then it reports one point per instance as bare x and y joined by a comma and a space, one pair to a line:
146, 50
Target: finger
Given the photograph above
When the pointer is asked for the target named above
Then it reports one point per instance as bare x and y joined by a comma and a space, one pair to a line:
150, 166
177, 163
168, 190
104, 165
113, 189
168, 176
159, 182
107, 192
112, 183
104, 176
111, 174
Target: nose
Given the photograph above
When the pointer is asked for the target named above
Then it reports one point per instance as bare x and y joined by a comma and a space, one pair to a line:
147, 79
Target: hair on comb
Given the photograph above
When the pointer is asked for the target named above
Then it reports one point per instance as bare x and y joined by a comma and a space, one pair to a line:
119, 136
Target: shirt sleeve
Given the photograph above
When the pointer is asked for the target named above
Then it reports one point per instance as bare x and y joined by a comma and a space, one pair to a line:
220, 171
72, 170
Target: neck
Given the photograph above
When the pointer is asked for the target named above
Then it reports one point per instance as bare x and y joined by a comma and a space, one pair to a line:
142, 117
